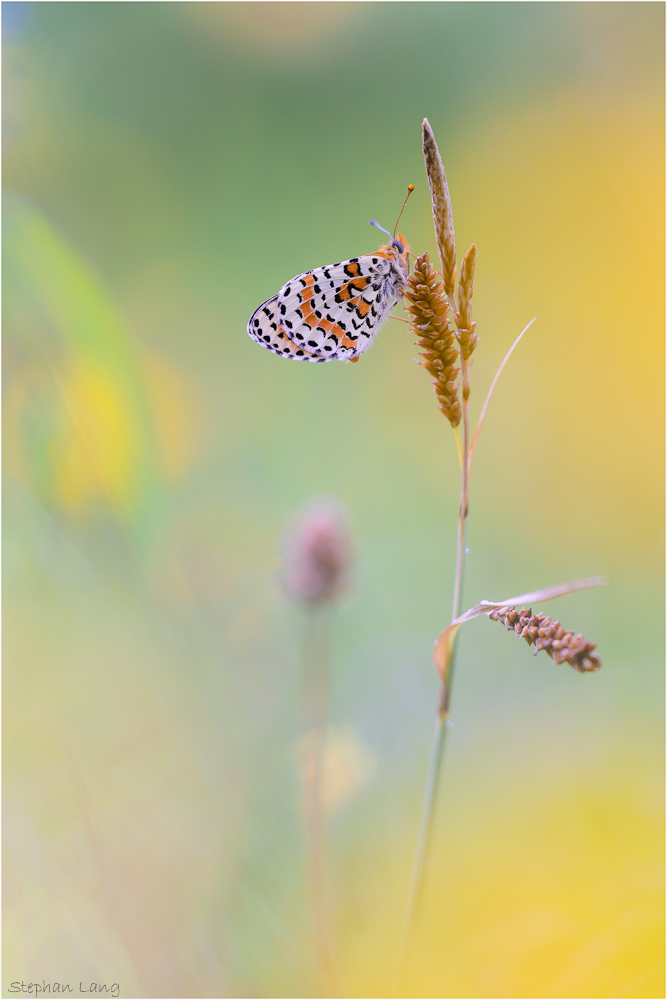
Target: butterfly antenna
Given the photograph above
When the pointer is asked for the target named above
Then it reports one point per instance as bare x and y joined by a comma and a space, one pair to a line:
373, 222
411, 188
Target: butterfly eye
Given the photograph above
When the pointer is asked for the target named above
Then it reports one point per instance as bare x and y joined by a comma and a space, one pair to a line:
398, 246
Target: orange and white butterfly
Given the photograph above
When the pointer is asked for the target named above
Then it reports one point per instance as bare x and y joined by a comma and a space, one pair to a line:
334, 312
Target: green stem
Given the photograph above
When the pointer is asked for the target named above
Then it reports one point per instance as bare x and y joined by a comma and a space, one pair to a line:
425, 834
423, 843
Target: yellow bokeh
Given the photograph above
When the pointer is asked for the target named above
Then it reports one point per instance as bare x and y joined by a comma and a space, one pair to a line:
97, 453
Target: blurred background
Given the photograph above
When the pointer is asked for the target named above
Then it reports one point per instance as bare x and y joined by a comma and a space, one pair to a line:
168, 166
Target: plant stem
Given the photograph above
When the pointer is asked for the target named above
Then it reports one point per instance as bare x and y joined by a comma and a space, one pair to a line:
423, 840
315, 690
444, 700
490, 393
463, 507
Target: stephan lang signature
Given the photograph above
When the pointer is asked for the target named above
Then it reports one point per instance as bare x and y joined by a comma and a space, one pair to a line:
38, 989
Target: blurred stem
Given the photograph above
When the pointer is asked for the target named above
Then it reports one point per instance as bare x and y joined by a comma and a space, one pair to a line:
444, 700
315, 667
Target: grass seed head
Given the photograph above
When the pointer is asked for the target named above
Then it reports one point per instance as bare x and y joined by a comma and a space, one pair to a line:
539, 631
428, 306
443, 218
467, 336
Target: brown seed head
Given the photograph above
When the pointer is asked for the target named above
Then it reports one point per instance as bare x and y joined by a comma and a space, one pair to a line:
429, 308
467, 336
443, 218
539, 631
317, 553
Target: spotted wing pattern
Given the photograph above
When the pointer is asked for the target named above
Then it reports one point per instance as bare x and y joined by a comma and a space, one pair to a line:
333, 312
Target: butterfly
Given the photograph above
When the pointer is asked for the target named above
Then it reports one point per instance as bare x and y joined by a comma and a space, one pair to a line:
334, 312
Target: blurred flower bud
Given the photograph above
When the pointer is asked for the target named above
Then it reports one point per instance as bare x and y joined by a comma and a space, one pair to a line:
317, 553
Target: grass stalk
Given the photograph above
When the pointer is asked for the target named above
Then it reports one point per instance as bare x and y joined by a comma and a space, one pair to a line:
429, 805
431, 301
492, 387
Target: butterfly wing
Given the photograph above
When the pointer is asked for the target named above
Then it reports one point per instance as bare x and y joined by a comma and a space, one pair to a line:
335, 311
332, 312
263, 327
